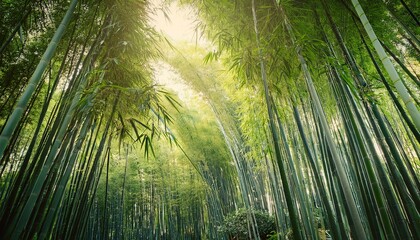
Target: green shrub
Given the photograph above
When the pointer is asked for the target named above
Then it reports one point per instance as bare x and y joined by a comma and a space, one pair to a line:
236, 225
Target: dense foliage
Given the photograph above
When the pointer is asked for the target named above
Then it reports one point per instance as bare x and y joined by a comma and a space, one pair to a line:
307, 110
237, 224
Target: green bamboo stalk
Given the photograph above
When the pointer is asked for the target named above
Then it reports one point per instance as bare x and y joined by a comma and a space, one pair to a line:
23, 101
380, 203
16, 29
49, 188
26, 169
411, 187
397, 178
384, 183
320, 186
97, 170
411, 75
296, 179
395, 78
344, 181
123, 193
69, 206
403, 153
410, 12
84, 206
42, 176
365, 156
105, 217
412, 38
59, 192
335, 189
46, 167
297, 234
397, 104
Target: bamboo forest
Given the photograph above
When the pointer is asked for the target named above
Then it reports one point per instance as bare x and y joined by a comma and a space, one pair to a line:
210, 119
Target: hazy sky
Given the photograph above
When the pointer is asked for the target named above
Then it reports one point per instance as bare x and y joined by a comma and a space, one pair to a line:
181, 22
178, 26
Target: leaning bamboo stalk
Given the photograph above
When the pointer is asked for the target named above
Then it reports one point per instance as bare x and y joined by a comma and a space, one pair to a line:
338, 164
389, 67
402, 65
411, 37
287, 191
51, 213
317, 177
42, 176
365, 159
27, 168
90, 182
36, 77
397, 104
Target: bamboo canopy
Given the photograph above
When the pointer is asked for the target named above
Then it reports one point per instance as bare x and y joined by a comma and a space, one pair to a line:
281, 119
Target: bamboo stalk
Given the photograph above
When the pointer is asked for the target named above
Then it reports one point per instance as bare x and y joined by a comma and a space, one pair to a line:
22, 103
395, 78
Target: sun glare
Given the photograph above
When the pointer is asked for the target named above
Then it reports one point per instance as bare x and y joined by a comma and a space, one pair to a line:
174, 21
178, 24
